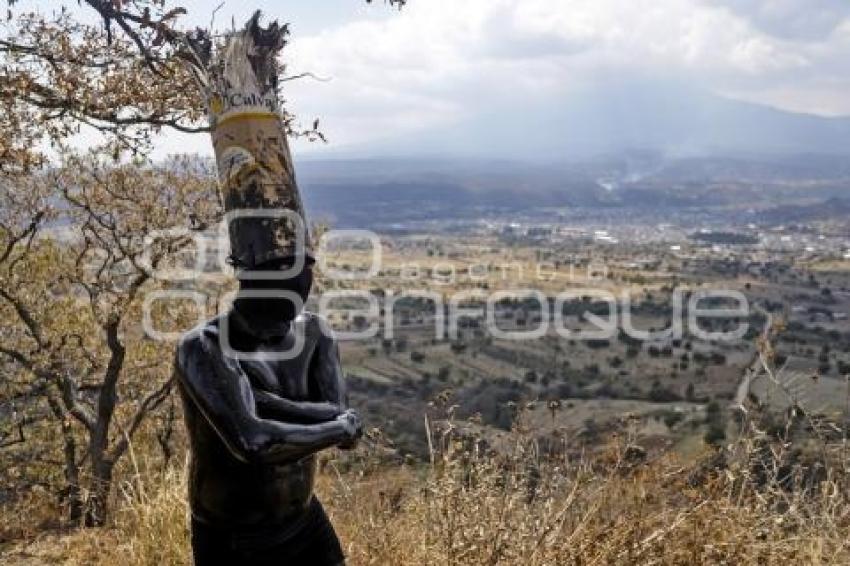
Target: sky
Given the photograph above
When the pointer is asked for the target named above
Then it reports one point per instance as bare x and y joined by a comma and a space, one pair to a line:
395, 73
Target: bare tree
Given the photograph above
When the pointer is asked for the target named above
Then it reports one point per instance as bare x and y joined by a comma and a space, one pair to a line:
124, 78
72, 286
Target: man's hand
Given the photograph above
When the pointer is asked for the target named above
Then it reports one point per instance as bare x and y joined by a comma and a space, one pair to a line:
353, 427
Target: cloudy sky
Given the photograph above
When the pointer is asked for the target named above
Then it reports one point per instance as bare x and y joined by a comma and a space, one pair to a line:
438, 61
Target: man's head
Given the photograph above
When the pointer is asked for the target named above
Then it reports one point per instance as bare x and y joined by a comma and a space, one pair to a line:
270, 304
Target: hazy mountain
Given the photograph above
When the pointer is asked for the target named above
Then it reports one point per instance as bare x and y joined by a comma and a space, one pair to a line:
630, 144
672, 119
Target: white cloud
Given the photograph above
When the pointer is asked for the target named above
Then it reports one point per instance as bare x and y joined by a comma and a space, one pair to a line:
438, 61
806, 20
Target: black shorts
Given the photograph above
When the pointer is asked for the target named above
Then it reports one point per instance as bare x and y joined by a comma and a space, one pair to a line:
310, 540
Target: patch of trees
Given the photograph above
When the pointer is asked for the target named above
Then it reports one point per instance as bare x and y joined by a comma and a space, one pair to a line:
727, 238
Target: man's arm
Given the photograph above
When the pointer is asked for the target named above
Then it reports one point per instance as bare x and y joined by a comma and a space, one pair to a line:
326, 373
325, 369
224, 397
271, 406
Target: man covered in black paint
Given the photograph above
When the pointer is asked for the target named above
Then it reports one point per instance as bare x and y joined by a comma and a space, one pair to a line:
262, 387
255, 426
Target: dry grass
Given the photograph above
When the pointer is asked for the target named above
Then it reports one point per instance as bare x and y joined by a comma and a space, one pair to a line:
472, 506
769, 498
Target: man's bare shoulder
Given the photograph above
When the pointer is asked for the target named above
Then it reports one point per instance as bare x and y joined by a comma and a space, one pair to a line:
196, 341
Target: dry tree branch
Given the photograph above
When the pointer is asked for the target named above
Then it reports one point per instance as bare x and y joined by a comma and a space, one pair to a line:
18, 238
149, 404
25, 316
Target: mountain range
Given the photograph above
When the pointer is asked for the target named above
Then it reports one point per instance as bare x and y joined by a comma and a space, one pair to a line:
674, 120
